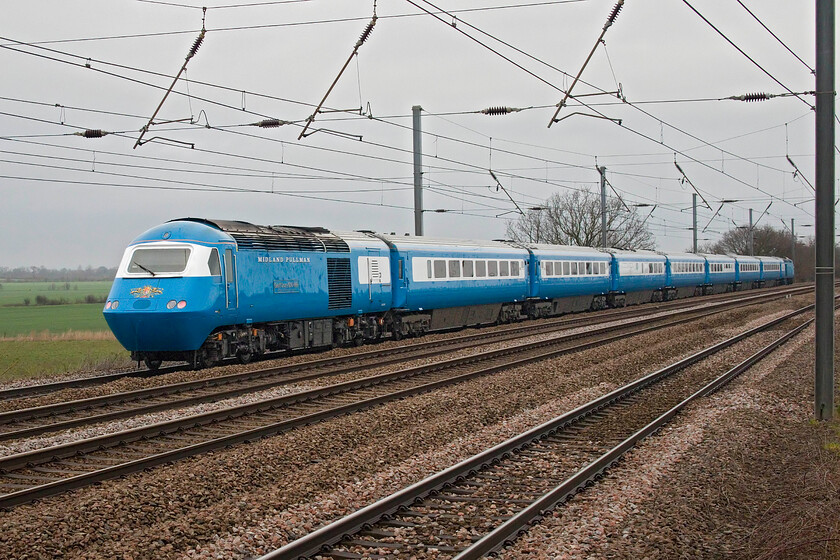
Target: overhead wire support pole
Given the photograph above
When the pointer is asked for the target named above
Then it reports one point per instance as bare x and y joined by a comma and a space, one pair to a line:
364, 37
194, 49
610, 21
750, 233
603, 171
418, 171
824, 212
694, 220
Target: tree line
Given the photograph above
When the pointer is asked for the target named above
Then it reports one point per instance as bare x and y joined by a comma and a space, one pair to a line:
42, 274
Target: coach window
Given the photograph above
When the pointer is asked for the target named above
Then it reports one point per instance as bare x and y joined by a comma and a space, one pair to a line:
549, 268
567, 268
504, 268
454, 269
481, 269
574, 268
492, 269
589, 268
514, 269
440, 269
468, 269
213, 263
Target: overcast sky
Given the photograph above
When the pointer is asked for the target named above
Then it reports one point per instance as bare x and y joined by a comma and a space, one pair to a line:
66, 200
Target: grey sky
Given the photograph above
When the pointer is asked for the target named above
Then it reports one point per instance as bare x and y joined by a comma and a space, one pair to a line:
67, 200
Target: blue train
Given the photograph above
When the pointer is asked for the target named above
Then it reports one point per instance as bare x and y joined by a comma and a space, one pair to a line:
201, 290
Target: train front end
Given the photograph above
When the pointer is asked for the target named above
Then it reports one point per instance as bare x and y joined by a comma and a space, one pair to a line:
168, 294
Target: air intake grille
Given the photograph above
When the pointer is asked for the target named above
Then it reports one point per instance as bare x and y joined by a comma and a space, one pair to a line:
340, 286
271, 242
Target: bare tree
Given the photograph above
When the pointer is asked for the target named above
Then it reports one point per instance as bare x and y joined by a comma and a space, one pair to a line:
574, 218
767, 241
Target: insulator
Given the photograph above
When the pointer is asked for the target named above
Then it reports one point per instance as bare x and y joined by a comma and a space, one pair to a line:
614, 14
270, 123
196, 45
90, 133
755, 97
499, 110
366, 33
752, 97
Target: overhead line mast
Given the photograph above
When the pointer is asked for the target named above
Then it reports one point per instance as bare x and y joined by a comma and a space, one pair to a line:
824, 203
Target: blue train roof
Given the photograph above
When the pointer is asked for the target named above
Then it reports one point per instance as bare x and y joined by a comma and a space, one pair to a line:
247, 235
184, 230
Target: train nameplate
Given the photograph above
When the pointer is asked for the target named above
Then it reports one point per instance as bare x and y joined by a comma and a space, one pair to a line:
283, 260
286, 287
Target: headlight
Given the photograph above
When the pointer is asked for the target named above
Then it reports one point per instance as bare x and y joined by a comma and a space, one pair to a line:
182, 304
171, 304
115, 304
108, 304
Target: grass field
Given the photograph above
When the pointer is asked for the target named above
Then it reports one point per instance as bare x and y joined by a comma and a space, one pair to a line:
13, 293
21, 359
24, 320
43, 340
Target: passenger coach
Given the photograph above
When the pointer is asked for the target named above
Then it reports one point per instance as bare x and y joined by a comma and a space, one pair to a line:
567, 279
637, 277
685, 275
444, 283
747, 272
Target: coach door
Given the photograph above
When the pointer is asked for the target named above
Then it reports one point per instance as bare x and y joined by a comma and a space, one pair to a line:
231, 291
378, 279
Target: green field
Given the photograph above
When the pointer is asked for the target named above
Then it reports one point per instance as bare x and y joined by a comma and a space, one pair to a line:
22, 321
40, 358
13, 293
27, 352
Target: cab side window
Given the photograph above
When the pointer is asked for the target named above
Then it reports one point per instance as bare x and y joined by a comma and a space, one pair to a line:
213, 263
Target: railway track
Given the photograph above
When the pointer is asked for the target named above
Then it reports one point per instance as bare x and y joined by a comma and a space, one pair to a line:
33, 421
481, 504
44, 472
46, 388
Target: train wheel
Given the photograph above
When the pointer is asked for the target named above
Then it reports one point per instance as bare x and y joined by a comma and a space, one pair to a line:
244, 357
152, 365
199, 361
